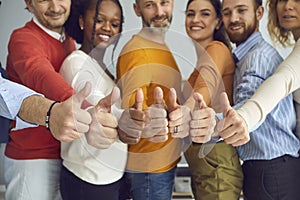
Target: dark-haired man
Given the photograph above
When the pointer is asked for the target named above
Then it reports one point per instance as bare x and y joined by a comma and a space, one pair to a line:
270, 153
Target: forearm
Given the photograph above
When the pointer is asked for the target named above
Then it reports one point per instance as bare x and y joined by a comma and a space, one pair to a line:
34, 109
285, 80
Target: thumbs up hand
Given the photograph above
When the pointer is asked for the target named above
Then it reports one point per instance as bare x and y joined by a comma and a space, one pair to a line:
132, 121
68, 121
232, 128
156, 127
103, 129
203, 121
179, 117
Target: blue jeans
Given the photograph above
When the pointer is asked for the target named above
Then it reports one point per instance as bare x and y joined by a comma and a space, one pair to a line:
151, 186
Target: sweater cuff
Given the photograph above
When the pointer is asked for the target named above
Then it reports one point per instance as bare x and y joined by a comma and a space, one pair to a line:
251, 113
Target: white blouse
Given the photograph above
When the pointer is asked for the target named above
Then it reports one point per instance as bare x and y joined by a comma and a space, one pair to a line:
96, 166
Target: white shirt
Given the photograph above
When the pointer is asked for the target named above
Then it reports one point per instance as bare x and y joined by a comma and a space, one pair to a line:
96, 166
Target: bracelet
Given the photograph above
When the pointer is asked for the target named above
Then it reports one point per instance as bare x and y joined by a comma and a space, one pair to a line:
47, 122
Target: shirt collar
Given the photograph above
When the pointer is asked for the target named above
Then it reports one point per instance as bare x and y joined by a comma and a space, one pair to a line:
244, 48
60, 37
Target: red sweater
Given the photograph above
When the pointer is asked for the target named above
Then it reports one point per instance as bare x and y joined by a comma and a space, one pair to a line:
34, 59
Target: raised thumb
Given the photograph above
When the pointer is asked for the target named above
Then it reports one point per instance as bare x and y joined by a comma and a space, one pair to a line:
105, 104
225, 103
139, 99
159, 97
199, 101
172, 100
80, 96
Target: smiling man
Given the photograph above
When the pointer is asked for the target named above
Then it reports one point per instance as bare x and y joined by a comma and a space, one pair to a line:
273, 147
146, 62
35, 54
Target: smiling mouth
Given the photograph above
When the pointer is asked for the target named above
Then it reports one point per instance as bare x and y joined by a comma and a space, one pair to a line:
196, 28
288, 17
235, 28
104, 38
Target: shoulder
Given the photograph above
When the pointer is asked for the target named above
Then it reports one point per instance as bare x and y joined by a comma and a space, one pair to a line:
218, 47
264, 52
30, 34
73, 63
218, 50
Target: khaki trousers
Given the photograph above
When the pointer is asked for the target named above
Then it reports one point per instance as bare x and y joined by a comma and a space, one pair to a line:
218, 175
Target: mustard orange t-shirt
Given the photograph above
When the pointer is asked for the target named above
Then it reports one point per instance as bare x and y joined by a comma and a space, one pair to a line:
146, 64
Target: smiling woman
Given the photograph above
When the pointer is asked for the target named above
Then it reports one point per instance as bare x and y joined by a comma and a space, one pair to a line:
91, 170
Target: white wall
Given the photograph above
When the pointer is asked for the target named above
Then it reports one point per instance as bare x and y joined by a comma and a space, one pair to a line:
13, 15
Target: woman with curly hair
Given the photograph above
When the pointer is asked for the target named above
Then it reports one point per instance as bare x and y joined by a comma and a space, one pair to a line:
92, 169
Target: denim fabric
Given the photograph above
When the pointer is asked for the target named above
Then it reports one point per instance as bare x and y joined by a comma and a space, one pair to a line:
151, 186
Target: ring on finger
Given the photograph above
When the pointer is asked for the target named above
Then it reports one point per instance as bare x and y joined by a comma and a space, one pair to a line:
176, 129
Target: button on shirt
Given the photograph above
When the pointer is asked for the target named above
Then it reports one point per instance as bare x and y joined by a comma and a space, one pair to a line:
11, 98
256, 61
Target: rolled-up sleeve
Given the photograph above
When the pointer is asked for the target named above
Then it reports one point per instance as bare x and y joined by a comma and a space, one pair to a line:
11, 98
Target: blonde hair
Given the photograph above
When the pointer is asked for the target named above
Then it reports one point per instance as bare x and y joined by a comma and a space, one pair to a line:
277, 33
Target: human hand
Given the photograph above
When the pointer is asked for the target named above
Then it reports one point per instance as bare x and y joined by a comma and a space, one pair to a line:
132, 121
68, 121
203, 121
179, 117
232, 128
156, 122
103, 129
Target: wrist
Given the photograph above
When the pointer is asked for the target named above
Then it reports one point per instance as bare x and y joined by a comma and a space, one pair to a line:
47, 121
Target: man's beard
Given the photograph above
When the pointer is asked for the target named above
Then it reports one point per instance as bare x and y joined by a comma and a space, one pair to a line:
239, 38
158, 29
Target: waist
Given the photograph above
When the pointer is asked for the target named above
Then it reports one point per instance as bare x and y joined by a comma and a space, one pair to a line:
262, 163
32, 143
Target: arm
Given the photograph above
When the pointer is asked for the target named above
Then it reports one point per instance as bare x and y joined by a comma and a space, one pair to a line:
17, 100
11, 98
77, 69
213, 78
234, 130
67, 120
32, 63
285, 80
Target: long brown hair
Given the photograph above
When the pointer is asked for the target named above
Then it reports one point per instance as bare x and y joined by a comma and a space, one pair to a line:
220, 34
277, 33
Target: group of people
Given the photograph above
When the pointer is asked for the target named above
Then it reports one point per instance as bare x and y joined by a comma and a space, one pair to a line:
81, 133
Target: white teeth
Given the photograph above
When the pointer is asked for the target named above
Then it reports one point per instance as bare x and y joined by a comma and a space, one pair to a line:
288, 17
104, 36
236, 27
196, 28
